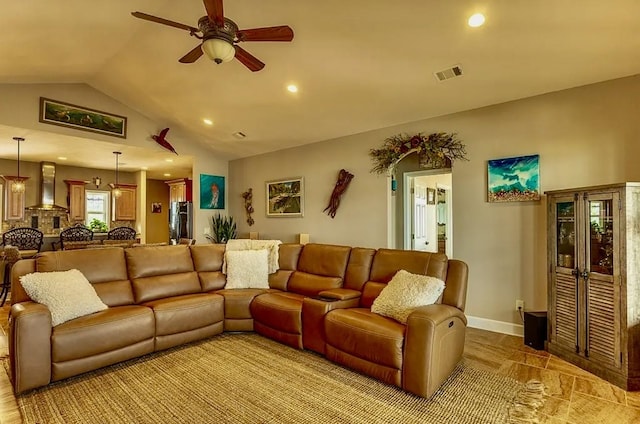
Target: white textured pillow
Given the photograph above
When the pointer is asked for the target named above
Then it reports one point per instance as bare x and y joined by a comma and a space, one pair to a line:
67, 294
404, 293
247, 269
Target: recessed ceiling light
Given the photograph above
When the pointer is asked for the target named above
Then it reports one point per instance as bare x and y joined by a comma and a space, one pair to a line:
292, 88
168, 160
207, 121
167, 175
62, 158
476, 20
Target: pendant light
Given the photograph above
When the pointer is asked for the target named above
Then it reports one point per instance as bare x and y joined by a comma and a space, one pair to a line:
17, 185
116, 188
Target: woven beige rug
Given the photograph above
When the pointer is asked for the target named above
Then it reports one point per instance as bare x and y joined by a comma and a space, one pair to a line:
245, 378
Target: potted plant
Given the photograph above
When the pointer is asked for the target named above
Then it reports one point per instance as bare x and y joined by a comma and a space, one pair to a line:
98, 226
224, 229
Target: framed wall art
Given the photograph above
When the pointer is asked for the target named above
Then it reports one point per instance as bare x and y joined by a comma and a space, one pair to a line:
515, 179
82, 118
285, 198
211, 192
431, 196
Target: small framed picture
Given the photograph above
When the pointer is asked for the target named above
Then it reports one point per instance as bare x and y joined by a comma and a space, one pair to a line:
156, 207
285, 198
431, 196
211, 191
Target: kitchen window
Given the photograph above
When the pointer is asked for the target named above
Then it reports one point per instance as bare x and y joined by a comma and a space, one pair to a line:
97, 206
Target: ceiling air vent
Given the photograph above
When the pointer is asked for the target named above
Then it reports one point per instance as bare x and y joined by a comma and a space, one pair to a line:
239, 135
454, 71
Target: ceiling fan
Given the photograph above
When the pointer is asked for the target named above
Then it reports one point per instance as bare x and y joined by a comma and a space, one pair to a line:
220, 36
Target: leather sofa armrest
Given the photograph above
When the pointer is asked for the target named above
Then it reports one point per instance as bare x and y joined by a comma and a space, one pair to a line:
29, 346
434, 342
313, 313
339, 294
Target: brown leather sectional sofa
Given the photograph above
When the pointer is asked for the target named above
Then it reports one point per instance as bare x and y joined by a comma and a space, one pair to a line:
319, 299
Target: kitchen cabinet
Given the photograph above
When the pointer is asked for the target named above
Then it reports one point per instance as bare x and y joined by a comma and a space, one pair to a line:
14, 201
180, 190
76, 199
594, 280
124, 206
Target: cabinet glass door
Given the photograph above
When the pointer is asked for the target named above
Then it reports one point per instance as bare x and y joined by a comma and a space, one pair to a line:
566, 234
601, 258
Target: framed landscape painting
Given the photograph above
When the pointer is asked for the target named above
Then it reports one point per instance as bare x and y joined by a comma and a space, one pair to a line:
285, 198
211, 192
514, 179
82, 118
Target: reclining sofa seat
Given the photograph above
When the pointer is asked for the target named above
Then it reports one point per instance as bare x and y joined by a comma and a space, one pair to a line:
418, 356
155, 302
278, 315
164, 279
40, 354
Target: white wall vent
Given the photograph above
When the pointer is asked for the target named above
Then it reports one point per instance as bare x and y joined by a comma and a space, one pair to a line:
239, 134
454, 71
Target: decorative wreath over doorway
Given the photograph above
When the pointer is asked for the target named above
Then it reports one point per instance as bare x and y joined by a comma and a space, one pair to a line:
435, 150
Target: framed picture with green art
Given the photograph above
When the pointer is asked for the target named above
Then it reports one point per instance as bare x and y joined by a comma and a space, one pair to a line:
285, 198
211, 192
83, 118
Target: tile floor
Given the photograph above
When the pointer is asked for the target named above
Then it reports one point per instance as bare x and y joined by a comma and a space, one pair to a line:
575, 396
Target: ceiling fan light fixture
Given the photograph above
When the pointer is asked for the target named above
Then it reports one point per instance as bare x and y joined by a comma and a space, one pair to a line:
218, 50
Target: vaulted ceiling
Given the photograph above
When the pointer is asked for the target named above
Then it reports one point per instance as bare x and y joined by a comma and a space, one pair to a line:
359, 64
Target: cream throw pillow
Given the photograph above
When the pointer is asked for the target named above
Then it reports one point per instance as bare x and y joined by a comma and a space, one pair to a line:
404, 293
67, 294
247, 269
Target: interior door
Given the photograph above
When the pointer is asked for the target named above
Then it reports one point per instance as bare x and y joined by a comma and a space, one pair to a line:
419, 218
442, 219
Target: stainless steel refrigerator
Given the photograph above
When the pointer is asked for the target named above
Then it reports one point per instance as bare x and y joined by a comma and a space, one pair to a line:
180, 221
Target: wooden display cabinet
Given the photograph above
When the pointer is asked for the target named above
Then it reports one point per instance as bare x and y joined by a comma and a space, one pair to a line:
180, 190
76, 199
124, 207
14, 201
594, 280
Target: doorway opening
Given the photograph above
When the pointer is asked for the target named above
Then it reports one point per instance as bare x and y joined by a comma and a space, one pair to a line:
427, 211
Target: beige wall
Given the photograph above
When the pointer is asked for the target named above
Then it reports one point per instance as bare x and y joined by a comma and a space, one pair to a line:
19, 108
584, 136
157, 223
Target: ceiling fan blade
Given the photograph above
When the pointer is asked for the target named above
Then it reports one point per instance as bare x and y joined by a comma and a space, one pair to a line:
276, 33
248, 60
192, 56
214, 11
163, 21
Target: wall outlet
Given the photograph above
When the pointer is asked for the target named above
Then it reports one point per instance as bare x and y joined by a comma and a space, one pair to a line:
207, 231
519, 305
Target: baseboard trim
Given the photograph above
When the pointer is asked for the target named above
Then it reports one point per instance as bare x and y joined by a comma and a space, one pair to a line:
497, 326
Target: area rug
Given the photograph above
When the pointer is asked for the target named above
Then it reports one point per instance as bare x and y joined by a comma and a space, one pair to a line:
245, 378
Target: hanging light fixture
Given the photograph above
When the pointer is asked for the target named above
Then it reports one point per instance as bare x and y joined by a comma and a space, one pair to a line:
116, 188
17, 185
97, 181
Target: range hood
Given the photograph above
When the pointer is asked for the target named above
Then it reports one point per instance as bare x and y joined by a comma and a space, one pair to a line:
47, 189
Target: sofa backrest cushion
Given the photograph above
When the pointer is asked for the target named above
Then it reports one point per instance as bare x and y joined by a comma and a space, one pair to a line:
207, 261
387, 262
358, 268
324, 259
105, 269
161, 271
288, 256
320, 267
